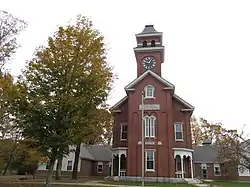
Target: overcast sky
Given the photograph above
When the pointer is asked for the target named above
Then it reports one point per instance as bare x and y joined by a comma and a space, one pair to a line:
207, 46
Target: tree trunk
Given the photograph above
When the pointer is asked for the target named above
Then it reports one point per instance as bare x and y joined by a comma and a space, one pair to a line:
10, 159
59, 168
50, 172
77, 155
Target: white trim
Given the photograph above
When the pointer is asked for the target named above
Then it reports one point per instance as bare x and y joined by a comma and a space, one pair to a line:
118, 103
121, 131
99, 164
153, 151
183, 149
168, 88
183, 101
146, 92
151, 120
142, 76
149, 34
217, 166
178, 123
149, 48
141, 44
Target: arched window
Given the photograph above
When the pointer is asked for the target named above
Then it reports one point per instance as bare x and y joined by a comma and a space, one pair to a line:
149, 125
144, 44
149, 91
152, 43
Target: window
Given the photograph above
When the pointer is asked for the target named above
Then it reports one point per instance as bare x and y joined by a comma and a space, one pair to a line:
152, 43
144, 44
124, 131
69, 165
99, 167
47, 165
149, 125
178, 129
149, 91
217, 169
150, 160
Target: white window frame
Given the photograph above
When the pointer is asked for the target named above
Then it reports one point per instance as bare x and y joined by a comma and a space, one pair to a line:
149, 126
146, 160
217, 166
175, 127
70, 165
152, 90
122, 125
97, 167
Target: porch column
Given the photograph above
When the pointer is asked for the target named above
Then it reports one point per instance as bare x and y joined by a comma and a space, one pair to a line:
119, 165
192, 170
182, 169
112, 165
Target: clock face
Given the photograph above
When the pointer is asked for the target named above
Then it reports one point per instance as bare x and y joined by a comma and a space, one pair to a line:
148, 62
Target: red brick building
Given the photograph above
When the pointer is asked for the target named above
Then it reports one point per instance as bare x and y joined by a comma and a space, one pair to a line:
168, 145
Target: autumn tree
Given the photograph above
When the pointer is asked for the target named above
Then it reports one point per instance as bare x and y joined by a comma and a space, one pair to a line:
203, 130
9, 130
65, 80
10, 27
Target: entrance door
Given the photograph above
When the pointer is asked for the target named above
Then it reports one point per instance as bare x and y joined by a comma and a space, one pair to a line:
204, 173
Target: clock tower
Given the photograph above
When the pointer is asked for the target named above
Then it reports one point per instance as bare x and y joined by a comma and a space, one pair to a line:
149, 51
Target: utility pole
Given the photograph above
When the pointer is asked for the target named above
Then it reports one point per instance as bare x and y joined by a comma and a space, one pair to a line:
142, 140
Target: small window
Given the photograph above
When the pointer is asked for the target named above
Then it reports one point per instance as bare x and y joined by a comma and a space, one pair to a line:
150, 160
178, 129
217, 170
124, 131
69, 165
149, 91
152, 43
144, 44
149, 125
99, 167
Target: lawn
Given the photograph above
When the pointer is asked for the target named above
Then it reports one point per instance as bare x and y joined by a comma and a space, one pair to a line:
137, 183
229, 184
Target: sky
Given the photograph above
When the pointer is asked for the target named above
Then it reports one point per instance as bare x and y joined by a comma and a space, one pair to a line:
207, 46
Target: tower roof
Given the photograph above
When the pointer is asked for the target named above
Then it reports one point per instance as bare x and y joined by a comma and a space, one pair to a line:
148, 29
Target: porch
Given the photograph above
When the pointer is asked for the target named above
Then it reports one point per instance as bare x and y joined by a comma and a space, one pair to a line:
118, 162
183, 163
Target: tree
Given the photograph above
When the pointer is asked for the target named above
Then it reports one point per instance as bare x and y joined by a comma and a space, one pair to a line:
203, 130
95, 128
9, 131
63, 81
10, 27
26, 158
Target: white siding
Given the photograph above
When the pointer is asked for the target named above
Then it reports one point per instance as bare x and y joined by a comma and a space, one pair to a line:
70, 157
243, 172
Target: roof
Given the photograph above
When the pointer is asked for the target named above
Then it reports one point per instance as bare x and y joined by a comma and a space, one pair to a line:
148, 29
96, 152
145, 74
205, 154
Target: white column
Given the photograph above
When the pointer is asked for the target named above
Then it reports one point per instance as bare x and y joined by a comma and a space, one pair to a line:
192, 170
119, 165
182, 169
112, 165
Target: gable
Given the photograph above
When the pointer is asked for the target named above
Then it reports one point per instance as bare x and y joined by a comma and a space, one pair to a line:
123, 100
183, 102
145, 74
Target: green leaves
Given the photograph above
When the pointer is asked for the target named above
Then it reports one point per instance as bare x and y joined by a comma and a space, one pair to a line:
64, 82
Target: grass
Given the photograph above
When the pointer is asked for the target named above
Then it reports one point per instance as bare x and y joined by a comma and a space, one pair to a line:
137, 183
230, 184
